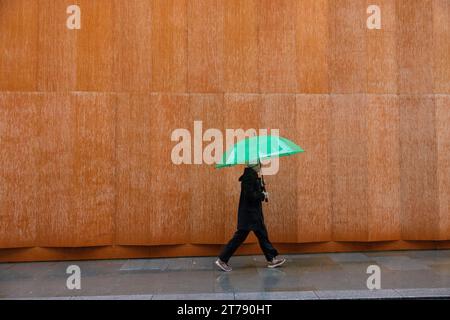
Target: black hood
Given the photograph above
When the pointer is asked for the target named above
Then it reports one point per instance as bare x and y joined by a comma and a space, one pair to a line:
249, 174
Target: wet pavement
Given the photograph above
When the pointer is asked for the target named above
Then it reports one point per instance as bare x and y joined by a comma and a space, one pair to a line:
409, 274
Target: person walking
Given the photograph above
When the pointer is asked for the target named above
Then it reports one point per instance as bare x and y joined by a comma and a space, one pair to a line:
250, 218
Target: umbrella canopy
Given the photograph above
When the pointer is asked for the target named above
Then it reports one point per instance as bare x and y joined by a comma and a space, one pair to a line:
253, 149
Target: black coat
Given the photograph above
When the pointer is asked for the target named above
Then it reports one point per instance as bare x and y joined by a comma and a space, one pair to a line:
250, 215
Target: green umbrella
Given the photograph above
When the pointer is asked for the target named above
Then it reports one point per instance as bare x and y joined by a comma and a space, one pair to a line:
253, 149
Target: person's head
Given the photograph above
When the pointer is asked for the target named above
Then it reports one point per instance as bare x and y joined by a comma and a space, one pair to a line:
255, 166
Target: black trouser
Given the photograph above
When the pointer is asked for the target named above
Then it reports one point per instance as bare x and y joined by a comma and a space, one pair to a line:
239, 237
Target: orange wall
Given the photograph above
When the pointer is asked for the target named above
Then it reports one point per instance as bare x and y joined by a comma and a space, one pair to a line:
86, 117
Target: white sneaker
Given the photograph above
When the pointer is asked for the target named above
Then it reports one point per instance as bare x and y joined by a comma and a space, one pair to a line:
276, 262
222, 265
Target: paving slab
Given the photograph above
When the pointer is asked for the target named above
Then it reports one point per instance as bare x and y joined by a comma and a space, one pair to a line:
357, 294
286, 295
424, 293
405, 274
195, 296
401, 263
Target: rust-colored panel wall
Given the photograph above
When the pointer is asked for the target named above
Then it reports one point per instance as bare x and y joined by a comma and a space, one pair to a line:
87, 117
19, 171
365, 168
313, 25
169, 45
18, 45
205, 183
95, 57
381, 47
443, 164
313, 176
241, 46
383, 171
277, 46
59, 186
362, 60
441, 46
205, 46
107, 54
349, 166
132, 44
77, 167
348, 46
418, 167
414, 40
57, 52
153, 194
133, 222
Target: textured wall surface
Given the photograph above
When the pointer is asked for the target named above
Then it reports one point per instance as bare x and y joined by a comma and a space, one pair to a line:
86, 118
